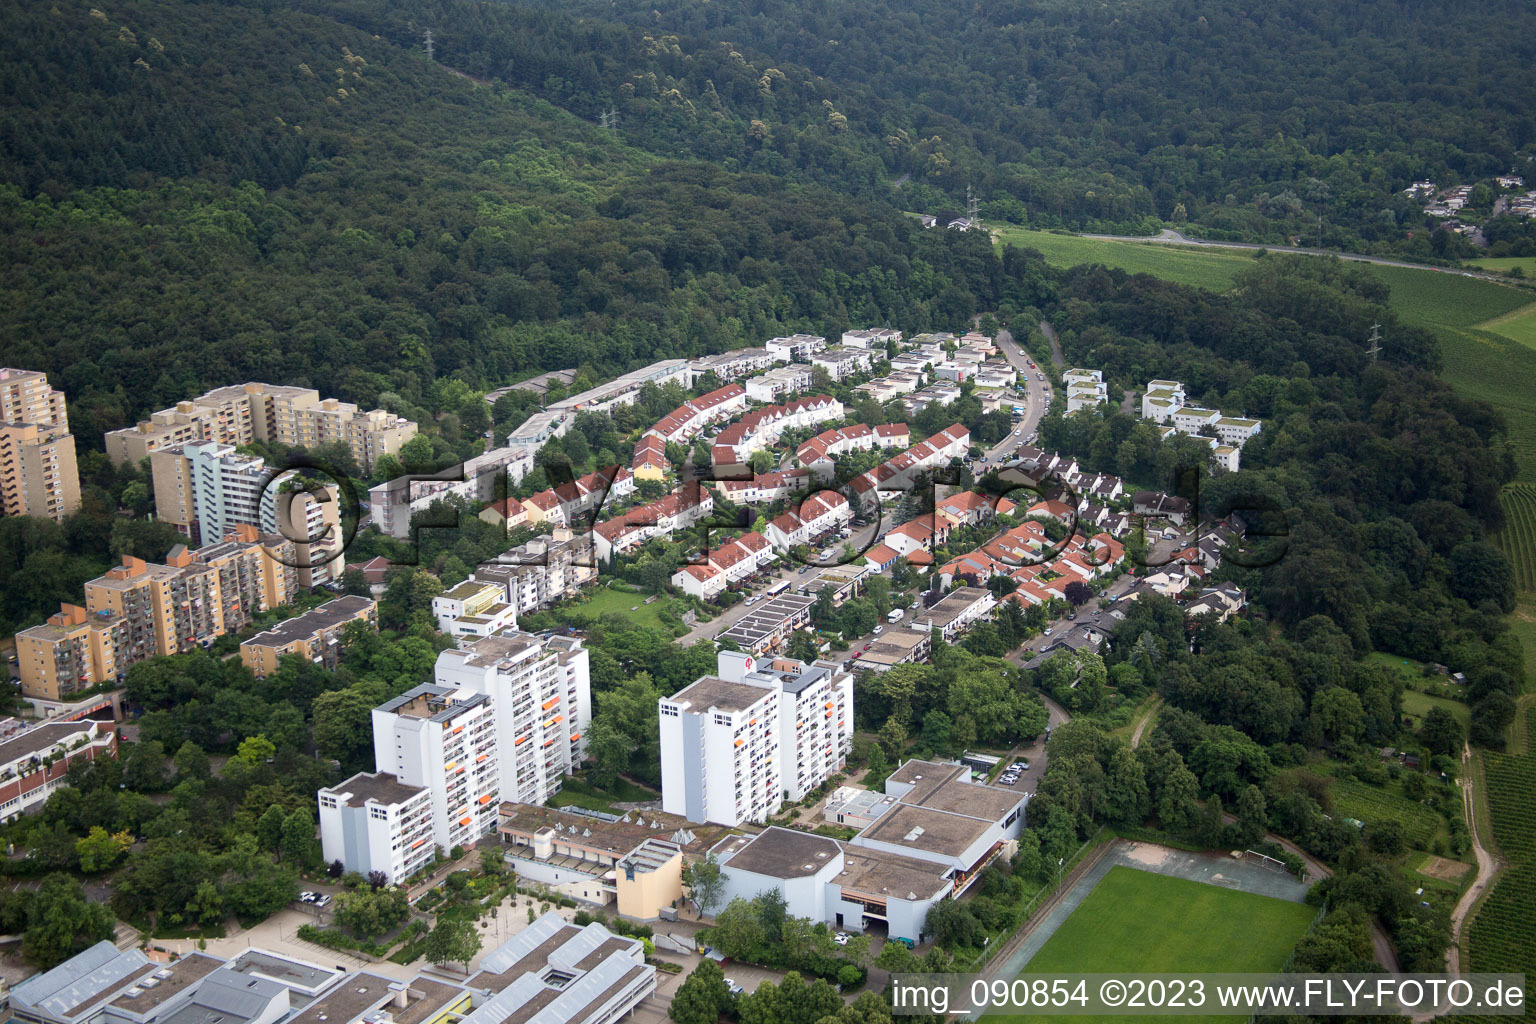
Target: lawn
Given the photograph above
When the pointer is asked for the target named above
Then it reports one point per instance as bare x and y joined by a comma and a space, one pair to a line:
1504, 264
606, 600
1517, 326
1522, 623
1139, 922
1418, 705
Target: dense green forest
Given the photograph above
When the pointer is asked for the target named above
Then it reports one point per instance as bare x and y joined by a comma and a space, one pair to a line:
1248, 120
412, 227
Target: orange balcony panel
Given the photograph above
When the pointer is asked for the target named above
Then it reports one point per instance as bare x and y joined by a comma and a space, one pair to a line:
466, 819
550, 703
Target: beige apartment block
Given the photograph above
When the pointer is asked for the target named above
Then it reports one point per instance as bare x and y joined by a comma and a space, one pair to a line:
141, 609
73, 651
37, 452
269, 413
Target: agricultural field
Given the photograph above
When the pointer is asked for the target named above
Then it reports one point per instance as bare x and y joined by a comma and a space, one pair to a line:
1211, 269
1489, 349
1518, 537
1517, 326
1136, 921
1352, 798
1502, 937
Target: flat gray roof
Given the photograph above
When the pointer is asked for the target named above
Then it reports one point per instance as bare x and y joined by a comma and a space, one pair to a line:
301, 627
878, 873
356, 994
379, 786
943, 832
39, 738
784, 853
713, 692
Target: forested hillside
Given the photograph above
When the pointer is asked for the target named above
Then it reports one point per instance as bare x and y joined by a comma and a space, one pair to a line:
1256, 119
251, 192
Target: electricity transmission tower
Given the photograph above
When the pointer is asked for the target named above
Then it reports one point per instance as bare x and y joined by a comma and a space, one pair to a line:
1375, 339
428, 45
609, 119
972, 205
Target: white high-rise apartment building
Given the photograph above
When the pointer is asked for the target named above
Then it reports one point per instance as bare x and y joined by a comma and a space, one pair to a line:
736, 745
375, 822
444, 741
720, 752
815, 715
541, 690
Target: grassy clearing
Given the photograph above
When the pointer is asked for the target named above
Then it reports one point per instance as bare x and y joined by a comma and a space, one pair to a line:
1138, 922
1522, 623
1517, 326
1201, 267
1504, 264
1418, 705
606, 600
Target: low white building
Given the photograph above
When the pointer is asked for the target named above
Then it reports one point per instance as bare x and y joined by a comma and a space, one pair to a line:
779, 383
795, 348
822, 879
842, 363
474, 608
956, 611
870, 337
1084, 389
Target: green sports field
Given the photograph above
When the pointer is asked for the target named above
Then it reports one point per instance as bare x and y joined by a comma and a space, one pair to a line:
1140, 922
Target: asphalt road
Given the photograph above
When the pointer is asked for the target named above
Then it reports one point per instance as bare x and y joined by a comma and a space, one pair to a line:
1037, 399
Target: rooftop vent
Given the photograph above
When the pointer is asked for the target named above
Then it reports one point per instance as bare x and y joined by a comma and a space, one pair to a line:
134, 993
914, 834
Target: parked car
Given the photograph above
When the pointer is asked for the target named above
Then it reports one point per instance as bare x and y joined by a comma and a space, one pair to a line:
735, 988
841, 938
307, 897
1047, 631
322, 900
1009, 780
877, 631
1020, 766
